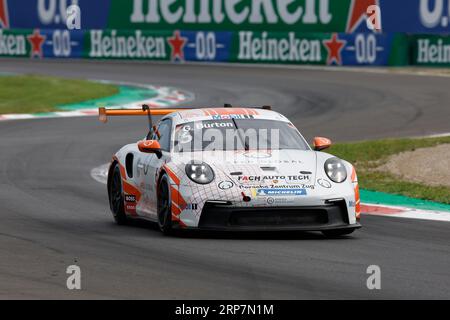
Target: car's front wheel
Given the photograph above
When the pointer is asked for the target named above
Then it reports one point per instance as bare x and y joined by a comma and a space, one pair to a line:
337, 233
164, 206
116, 200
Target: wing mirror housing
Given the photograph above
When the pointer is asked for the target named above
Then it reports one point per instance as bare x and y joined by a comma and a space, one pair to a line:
321, 143
150, 146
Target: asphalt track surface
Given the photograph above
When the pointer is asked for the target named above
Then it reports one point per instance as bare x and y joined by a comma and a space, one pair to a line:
53, 214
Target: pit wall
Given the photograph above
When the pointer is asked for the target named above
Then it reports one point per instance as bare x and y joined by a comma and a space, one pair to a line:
313, 32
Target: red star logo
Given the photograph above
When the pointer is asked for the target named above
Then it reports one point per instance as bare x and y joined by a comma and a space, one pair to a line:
36, 41
334, 47
358, 13
177, 43
4, 19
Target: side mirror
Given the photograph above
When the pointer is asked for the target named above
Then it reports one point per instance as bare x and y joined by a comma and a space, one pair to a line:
150, 146
321, 143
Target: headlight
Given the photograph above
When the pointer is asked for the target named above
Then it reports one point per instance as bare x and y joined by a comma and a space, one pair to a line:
335, 170
199, 172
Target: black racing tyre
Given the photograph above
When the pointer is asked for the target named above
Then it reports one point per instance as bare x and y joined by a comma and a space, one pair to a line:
164, 206
116, 198
337, 233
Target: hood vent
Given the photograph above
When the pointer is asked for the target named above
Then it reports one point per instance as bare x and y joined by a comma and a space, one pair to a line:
269, 168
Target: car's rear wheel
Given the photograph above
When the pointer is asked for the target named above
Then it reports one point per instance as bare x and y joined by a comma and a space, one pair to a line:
337, 233
116, 199
164, 206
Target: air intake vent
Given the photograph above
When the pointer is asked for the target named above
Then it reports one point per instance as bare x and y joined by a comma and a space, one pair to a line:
269, 168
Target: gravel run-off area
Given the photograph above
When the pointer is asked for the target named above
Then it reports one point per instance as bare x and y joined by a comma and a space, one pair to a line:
430, 166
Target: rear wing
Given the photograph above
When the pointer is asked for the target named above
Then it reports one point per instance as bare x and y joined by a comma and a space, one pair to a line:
104, 113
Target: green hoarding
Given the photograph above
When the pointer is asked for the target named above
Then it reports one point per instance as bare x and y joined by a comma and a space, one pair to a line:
430, 50
137, 44
279, 47
14, 43
231, 15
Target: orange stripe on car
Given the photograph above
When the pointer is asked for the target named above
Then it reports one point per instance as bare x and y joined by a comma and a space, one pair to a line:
181, 223
357, 203
178, 205
122, 168
357, 197
176, 215
231, 111
177, 198
172, 175
175, 210
128, 188
354, 176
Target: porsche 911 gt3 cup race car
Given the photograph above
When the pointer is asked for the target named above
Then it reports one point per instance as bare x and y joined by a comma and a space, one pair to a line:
237, 169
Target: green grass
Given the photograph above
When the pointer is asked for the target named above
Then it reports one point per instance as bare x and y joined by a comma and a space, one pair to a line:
366, 156
32, 94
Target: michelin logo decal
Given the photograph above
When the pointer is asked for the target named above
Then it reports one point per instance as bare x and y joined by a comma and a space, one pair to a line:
281, 192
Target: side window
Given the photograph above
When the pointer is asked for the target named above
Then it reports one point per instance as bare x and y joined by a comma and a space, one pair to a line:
164, 131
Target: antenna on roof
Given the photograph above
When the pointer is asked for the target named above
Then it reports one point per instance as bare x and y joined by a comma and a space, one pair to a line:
145, 107
266, 107
227, 105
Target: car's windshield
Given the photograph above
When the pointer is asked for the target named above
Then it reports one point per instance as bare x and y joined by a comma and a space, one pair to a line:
237, 134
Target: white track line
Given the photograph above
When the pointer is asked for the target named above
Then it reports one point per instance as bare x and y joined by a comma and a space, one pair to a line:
405, 212
100, 174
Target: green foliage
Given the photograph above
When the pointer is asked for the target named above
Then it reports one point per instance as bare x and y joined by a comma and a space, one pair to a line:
366, 156
32, 94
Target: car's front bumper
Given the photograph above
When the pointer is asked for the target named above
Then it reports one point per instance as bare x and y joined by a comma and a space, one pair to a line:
330, 216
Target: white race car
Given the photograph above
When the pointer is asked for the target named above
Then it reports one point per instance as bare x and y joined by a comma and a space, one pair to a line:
236, 169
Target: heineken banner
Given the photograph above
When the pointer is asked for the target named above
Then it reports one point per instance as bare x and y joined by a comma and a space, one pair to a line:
320, 48
431, 50
209, 46
349, 16
41, 43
